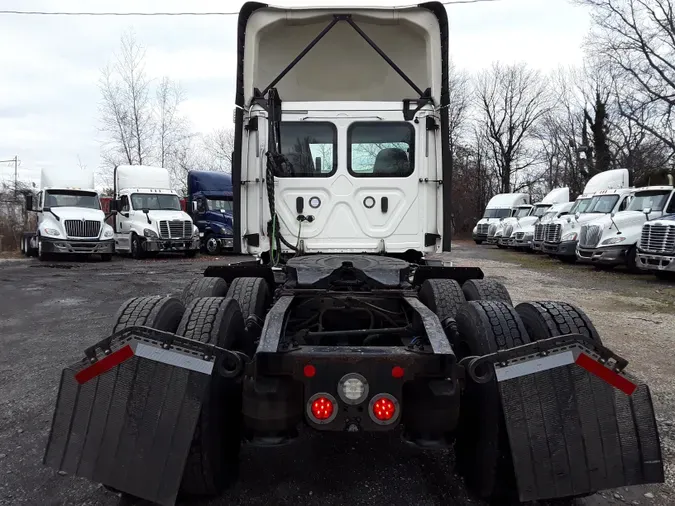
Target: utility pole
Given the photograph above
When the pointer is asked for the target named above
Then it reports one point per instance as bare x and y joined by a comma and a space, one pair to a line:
16, 170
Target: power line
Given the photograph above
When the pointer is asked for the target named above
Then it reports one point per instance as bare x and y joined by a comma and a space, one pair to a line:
63, 13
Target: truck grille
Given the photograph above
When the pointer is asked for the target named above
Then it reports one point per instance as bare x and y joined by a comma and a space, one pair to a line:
520, 236
658, 238
82, 228
483, 228
553, 232
175, 229
539, 232
492, 230
508, 230
589, 236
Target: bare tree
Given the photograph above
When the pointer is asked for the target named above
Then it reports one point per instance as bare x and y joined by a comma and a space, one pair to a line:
126, 108
171, 128
218, 148
635, 41
458, 103
511, 100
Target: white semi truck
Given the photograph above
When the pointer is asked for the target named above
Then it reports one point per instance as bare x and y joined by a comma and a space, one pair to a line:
69, 217
499, 207
497, 230
604, 193
656, 246
148, 218
352, 338
611, 240
554, 212
513, 234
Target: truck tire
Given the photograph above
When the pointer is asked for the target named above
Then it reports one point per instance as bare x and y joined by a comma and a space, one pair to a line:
665, 275
442, 296
549, 319
213, 461
157, 312
631, 263
203, 287
211, 245
191, 253
253, 296
485, 289
136, 248
478, 242
106, 257
482, 447
42, 256
566, 259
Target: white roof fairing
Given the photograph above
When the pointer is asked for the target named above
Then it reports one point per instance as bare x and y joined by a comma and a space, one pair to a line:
342, 65
142, 176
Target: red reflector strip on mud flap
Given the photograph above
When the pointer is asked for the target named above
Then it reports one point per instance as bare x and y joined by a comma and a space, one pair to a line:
128, 420
572, 428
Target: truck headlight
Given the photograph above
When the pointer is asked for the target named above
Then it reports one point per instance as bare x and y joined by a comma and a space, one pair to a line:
149, 233
613, 240
475, 229
195, 232
571, 236
108, 233
528, 236
52, 231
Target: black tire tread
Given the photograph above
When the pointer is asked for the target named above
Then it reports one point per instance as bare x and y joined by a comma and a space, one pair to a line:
203, 321
158, 312
204, 287
443, 296
559, 317
486, 289
252, 294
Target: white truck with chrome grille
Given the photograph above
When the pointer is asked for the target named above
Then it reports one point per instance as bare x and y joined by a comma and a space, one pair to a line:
148, 218
611, 240
656, 247
69, 217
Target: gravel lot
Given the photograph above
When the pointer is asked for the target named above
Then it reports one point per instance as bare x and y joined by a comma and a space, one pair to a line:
50, 312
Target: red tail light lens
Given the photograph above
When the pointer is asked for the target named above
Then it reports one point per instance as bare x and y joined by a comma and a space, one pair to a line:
322, 408
384, 409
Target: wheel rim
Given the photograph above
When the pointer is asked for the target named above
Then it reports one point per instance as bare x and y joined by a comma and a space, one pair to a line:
212, 245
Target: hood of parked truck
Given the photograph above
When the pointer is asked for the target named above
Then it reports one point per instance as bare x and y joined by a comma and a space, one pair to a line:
490, 220
627, 224
78, 213
168, 215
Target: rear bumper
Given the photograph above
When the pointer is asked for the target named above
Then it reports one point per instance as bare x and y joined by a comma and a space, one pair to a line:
652, 262
70, 246
562, 249
171, 244
603, 256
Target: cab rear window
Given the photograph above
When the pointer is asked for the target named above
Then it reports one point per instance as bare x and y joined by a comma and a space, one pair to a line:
310, 148
377, 149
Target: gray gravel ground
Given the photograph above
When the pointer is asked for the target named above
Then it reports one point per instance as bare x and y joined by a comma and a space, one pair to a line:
50, 312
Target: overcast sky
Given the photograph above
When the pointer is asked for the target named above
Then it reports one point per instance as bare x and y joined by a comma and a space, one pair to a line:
50, 65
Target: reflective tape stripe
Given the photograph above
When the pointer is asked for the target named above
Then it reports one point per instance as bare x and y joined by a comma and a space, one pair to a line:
534, 366
606, 374
105, 364
174, 358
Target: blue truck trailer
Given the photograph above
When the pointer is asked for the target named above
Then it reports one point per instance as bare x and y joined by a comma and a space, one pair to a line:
210, 205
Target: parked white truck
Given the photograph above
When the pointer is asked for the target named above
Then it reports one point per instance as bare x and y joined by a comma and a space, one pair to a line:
496, 231
69, 217
604, 193
612, 239
514, 232
499, 207
554, 212
656, 247
148, 216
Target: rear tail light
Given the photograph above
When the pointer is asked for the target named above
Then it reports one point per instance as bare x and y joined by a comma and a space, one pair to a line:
322, 408
384, 409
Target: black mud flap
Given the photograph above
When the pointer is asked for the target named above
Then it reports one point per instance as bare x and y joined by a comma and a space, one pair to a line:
127, 419
576, 426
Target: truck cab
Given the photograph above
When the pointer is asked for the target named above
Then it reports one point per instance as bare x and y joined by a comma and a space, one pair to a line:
210, 205
554, 212
604, 193
521, 226
499, 207
69, 217
656, 245
500, 233
148, 217
611, 240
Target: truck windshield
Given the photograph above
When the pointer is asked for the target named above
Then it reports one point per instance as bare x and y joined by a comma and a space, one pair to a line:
602, 204
155, 202
540, 210
71, 198
580, 206
497, 213
219, 204
522, 212
381, 149
310, 148
654, 199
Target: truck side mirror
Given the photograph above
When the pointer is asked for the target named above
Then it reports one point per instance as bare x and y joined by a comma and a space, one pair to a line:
194, 206
576, 216
29, 203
